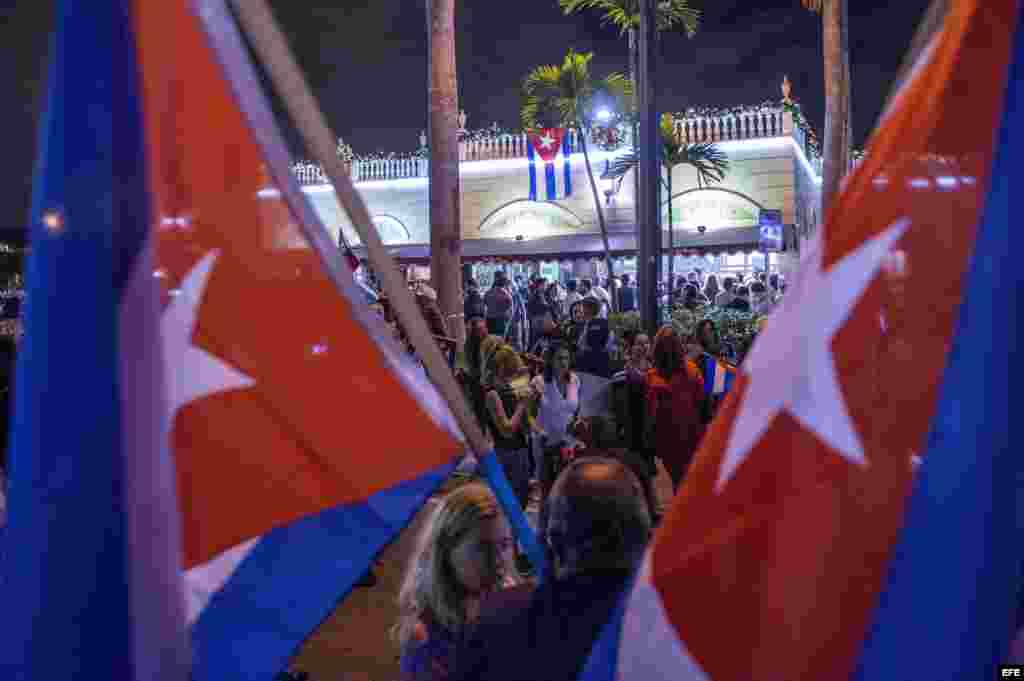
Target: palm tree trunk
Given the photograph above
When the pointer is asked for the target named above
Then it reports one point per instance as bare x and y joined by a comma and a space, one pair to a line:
445, 218
836, 153
671, 241
634, 57
597, 201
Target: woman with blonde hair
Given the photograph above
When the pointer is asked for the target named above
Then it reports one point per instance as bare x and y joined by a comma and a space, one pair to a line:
464, 553
489, 347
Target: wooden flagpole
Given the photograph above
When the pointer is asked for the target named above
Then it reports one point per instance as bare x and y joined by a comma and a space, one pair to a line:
272, 48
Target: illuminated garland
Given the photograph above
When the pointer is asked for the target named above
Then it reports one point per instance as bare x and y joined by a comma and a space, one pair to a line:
727, 112
494, 132
799, 120
600, 134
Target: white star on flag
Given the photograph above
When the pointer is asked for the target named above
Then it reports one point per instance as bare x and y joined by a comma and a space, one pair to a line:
547, 141
192, 372
791, 365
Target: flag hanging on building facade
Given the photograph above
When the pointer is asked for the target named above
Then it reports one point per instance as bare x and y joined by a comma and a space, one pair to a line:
547, 144
789, 552
190, 322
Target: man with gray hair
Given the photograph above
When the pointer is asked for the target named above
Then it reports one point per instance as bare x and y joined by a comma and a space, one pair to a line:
596, 526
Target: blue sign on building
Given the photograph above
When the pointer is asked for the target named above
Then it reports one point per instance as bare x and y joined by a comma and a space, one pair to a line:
770, 222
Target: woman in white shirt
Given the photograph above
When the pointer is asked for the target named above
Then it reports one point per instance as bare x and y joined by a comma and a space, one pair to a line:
559, 390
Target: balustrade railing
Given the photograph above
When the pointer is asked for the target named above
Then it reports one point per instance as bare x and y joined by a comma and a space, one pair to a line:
740, 126
365, 170
504, 146
689, 129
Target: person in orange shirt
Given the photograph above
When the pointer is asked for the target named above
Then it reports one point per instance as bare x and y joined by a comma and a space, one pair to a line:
675, 404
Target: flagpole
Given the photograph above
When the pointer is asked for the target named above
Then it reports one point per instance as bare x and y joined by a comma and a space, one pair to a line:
272, 48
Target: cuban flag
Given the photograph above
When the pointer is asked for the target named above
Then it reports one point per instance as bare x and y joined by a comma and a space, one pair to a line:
803, 545
547, 144
204, 459
718, 376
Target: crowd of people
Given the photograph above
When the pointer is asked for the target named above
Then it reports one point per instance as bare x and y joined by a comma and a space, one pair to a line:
469, 606
757, 293
516, 309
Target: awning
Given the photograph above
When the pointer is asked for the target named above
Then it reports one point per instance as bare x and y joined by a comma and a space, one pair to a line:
730, 240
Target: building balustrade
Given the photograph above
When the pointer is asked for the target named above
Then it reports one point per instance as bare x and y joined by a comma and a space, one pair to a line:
689, 129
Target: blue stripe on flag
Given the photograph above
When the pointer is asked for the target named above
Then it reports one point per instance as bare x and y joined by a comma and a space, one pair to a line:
524, 534
710, 367
603, 661
962, 548
567, 169
549, 182
531, 163
65, 593
294, 578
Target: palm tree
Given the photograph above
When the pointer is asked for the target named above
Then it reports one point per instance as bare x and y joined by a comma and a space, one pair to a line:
564, 96
625, 15
445, 222
710, 163
836, 49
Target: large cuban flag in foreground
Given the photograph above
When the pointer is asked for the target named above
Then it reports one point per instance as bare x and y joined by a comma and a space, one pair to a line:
201, 390
803, 545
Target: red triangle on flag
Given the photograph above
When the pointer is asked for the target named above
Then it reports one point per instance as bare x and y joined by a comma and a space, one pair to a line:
547, 142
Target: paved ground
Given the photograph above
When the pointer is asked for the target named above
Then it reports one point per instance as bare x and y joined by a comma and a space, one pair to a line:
353, 644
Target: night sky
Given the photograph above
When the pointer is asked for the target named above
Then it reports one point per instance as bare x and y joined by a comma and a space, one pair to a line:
366, 61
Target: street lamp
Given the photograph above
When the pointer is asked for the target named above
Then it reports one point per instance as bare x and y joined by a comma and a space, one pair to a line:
603, 115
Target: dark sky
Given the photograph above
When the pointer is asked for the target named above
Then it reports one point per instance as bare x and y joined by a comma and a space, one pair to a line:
366, 61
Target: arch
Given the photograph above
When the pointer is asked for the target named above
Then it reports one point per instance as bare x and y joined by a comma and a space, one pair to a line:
719, 189
722, 208
391, 229
547, 213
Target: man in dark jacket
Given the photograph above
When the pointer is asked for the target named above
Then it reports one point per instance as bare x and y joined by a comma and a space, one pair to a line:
474, 303
597, 527
627, 295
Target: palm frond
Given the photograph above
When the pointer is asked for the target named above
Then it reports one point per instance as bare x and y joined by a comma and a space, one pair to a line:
559, 95
542, 87
625, 14
678, 14
709, 161
620, 13
621, 165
